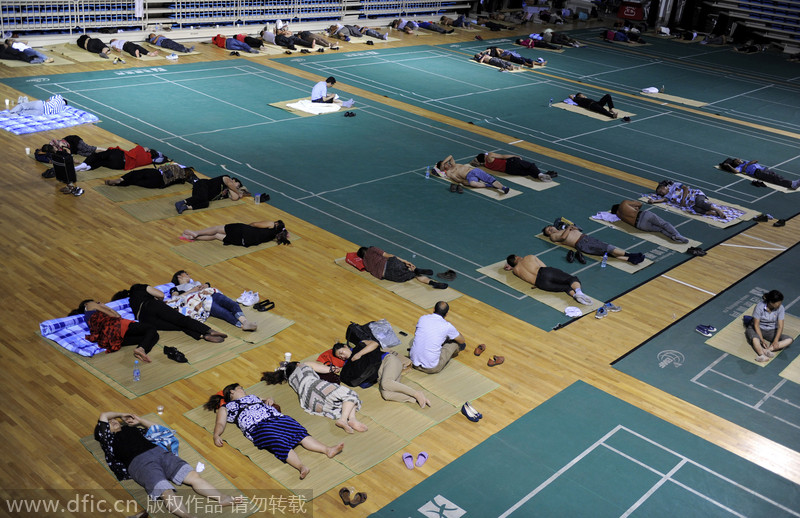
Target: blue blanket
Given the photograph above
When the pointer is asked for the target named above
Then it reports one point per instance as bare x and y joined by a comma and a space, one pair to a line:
21, 124
70, 332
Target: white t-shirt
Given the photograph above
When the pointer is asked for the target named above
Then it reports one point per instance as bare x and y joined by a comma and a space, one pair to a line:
117, 44
431, 333
319, 91
18, 45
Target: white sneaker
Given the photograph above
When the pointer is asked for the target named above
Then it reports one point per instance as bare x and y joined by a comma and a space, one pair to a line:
253, 299
583, 299
244, 297
173, 57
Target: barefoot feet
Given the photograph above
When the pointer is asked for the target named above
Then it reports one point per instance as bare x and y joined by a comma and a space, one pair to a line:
422, 400
333, 451
341, 423
357, 425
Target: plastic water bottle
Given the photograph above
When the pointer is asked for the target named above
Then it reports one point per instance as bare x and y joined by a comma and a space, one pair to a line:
604, 262
550, 104
427, 172
137, 375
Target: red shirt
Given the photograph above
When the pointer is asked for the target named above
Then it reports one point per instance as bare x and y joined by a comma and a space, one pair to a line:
136, 157
375, 262
497, 164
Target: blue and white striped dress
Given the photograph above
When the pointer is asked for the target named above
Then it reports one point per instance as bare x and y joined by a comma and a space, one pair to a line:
54, 105
267, 428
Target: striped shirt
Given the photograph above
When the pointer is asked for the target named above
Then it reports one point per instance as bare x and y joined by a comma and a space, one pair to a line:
54, 105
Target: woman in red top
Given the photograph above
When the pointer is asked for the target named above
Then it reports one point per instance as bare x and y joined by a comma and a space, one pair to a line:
117, 158
513, 165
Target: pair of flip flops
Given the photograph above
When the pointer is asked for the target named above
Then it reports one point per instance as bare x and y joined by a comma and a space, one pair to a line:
351, 498
174, 354
408, 459
349, 114
235, 53
264, 305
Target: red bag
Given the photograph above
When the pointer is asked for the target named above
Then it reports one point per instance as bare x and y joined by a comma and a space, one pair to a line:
355, 261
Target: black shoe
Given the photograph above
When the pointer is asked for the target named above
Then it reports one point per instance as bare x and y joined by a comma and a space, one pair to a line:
761, 218
423, 271
459, 189
438, 285
291, 47
696, 251
552, 174
453, 187
779, 223
175, 355
264, 305
579, 256
50, 173
636, 258
758, 183
571, 256
449, 275
370, 42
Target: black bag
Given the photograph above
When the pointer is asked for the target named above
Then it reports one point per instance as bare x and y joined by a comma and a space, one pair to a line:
64, 166
358, 333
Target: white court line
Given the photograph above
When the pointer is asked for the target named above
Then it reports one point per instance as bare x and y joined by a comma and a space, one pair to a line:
650, 492
689, 285
782, 249
751, 236
682, 460
740, 95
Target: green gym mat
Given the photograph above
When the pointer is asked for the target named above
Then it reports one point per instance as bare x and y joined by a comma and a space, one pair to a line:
586, 453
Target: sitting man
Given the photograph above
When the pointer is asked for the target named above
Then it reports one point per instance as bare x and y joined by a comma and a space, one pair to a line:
130, 455
159, 40
596, 106
630, 211
319, 94
390, 267
463, 174
682, 195
436, 341
513, 165
758, 171
514, 57
572, 236
222, 307
532, 270
53, 106
367, 364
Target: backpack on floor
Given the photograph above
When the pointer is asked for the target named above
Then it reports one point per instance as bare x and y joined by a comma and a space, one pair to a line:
356, 333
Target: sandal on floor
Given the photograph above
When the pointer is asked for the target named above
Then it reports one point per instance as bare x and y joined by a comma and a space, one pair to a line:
496, 360
479, 350
345, 493
264, 305
174, 354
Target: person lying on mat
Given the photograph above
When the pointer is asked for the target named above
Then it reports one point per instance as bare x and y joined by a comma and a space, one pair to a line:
156, 178
513, 165
435, 27
367, 364
630, 211
147, 303
559, 38
94, 45
514, 57
572, 236
317, 396
285, 38
219, 305
682, 195
764, 331
596, 106
533, 271
26, 49
315, 39
130, 455
344, 32
487, 59
461, 21
72, 144
383, 265
110, 331
207, 190
10, 53
436, 341
241, 234
463, 174
232, 44
52, 106
535, 43
118, 158
401, 24
757, 171
491, 25
263, 424
134, 49
159, 40
319, 94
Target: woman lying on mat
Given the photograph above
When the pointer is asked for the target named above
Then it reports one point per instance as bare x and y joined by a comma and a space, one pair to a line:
765, 331
208, 190
110, 331
165, 175
93, 45
147, 303
241, 234
317, 396
682, 195
262, 423
121, 159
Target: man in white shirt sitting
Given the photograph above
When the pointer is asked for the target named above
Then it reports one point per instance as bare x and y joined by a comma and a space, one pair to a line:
436, 341
319, 94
